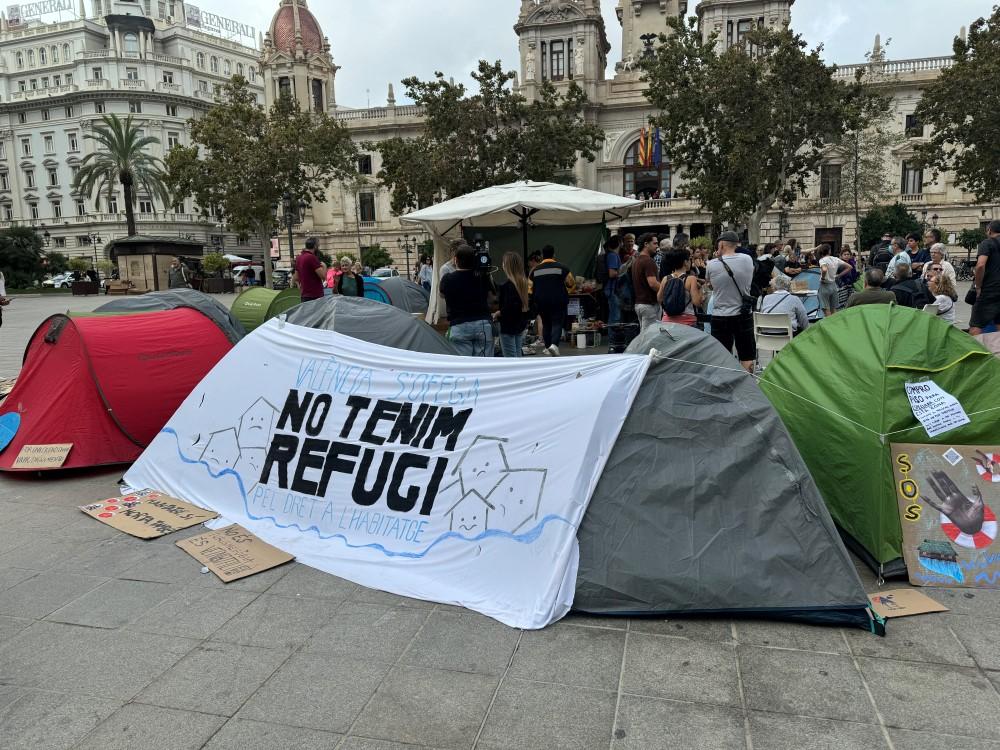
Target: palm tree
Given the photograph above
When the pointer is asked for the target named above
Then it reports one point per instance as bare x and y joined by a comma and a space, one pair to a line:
121, 157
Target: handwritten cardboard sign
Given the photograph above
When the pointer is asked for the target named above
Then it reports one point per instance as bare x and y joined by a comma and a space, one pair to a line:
903, 603
233, 553
937, 410
42, 456
148, 514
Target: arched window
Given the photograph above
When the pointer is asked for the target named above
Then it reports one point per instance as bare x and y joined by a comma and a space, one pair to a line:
646, 182
227, 68
215, 64
66, 52
31, 58
200, 60
19, 59
239, 69
131, 43
43, 56
55, 54
253, 73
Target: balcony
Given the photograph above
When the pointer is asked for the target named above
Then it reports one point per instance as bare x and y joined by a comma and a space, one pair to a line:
98, 84
168, 59
896, 67
208, 96
133, 84
367, 224
42, 93
168, 88
912, 198
94, 54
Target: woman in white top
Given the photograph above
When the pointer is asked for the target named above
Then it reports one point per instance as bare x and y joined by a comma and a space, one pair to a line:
944, 295
3, 296
938, 260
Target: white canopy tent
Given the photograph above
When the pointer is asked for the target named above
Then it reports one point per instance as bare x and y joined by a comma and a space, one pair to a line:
522, 204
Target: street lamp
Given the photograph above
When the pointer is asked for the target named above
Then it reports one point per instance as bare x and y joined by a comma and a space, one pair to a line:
95, 242
935, 218
46, 237
406, 247
292, 214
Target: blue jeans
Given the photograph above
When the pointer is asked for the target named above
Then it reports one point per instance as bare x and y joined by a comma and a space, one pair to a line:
510, 344
614, 310
472, 339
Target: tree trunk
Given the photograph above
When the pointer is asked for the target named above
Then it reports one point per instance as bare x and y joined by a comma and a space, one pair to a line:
129, 213
857, 202
753, 224
268, 272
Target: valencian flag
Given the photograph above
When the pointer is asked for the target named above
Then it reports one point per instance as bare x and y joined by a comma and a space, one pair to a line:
643, 154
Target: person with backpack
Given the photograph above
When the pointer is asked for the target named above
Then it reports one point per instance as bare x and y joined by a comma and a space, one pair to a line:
680, 291
609, 262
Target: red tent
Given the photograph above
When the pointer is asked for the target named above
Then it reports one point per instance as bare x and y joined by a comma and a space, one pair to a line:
108, 384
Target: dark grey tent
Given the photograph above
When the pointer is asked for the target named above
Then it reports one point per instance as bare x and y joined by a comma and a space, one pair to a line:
406, 295
372, 321
171, 299
705, 505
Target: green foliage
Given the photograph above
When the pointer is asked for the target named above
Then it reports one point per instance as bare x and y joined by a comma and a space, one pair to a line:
214, 263
493, 137
745, 129
106, 267
56, 263
879, 220
21, 257
325, 258
76, 263
121, 157
961, 107
970, 239
375, 256
243, 159
702, 243
426, 248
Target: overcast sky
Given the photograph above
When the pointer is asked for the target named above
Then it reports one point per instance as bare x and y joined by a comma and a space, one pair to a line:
403, 38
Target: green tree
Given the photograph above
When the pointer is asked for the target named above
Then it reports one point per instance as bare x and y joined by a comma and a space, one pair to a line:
121, 158
961, 107
214, 264
492, 137
880, 220
21, 257
56, 263
375, 256
79, 264
971, 239
243, 159
745, 129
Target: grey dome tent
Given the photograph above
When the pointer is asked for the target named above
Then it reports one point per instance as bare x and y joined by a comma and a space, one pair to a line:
372, 321
405, 294
171, 299
706, 507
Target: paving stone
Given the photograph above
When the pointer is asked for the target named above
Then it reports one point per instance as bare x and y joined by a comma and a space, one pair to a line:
585, 620
791, 635
113, 604
375, 596
13, 576
110, 663
215, 678
86, 529
467, 642
680, 669
9, 694
923, 639
193, 612
367, 631
164, 564
934, 697
41, 551
107, 558
39, 720
904, 739
979, 636
45, 593
781, 732
11, 626
980, 603
277, 621
240, 734
805, 683
699, 629
532, 714
137, 726
585, 657
316, 693
301, 580
428, 707
653, 724
257, 583
363, 743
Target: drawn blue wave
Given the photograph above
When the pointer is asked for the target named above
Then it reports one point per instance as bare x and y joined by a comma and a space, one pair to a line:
989, 578
528, 537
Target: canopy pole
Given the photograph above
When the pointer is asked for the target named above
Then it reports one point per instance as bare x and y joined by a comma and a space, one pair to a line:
524, 240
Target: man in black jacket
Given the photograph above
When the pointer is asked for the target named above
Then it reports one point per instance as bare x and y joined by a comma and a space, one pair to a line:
550, 281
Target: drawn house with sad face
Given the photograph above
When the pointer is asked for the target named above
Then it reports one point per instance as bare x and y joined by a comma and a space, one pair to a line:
470, 516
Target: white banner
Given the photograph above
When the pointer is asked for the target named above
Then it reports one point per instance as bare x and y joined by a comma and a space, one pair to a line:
457, 480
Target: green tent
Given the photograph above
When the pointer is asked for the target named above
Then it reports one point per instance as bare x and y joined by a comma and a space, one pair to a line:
257, 305
839, 388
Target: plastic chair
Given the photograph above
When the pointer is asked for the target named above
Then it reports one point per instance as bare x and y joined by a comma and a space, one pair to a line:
772, 331
932, 308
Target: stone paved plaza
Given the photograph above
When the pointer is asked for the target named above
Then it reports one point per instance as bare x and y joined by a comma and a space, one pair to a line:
110, 642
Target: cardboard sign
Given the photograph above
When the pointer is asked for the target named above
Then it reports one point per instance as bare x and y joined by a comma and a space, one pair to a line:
42, 456
948, 496
903, 603
233, 553
937, 410
6, 386
148, 514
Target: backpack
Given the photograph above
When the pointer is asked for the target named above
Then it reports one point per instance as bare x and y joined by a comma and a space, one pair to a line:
675, 296
624, 288
601, 272
882, 258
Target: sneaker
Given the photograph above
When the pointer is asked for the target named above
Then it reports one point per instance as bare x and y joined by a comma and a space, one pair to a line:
553, 351
547, 352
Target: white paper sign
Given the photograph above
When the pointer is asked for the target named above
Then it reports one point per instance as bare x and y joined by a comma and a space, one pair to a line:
937, 410
454, 479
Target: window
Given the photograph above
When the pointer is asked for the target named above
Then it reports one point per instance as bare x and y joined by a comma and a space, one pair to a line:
113, 205
19, 60
96, 74
285, 86
50, 147
642, 181
55, 55
913, 180
56, 209
317, 94
45, 82
135, 107
8, 212
74, 171
53, 176
132, 74
557, 60
74, 144
31, 58
161, 9
82, 240
3, 150
33, 209
69, 112
253, 73
214, 64
200, 60
33, 84
914, 128
365, 164
168, 76
239, 69
203, 86
173, 139
81, 208
59, 241
743, 27
366, 206
69, 79
66, 52
29, 178
131, 43
171, 110
57, 81
4, 181
42, 56
99, 108
179, 208
227, 68
145, 207
22, 85
45, 115
25, 147
22, 117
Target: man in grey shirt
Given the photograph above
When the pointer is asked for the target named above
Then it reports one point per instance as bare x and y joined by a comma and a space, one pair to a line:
781, 300
730, 275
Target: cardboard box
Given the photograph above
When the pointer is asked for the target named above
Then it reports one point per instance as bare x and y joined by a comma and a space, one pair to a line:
233, 553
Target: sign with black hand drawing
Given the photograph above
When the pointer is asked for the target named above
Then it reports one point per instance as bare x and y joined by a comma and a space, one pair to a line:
948, 498
460, 480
